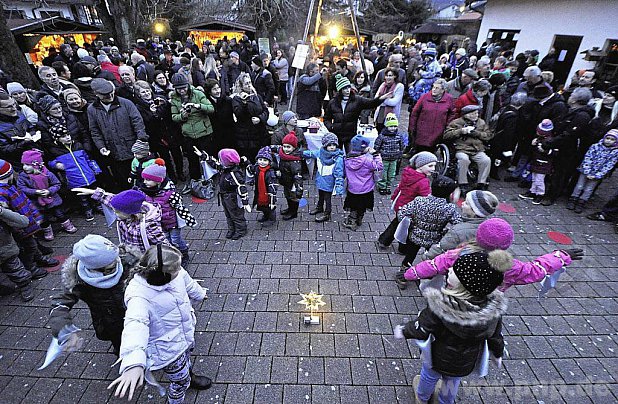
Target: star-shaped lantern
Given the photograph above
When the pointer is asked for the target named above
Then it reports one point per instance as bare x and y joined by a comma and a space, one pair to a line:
312, 302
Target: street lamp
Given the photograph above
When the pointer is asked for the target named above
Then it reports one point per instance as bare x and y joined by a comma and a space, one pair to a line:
159, 28
333, 32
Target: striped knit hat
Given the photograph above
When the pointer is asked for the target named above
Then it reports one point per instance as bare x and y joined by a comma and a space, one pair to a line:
545, 128
391, 120
341, 82
140, 147
482, 203
6, 169
330, 138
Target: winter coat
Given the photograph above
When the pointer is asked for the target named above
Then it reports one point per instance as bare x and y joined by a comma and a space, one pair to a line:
506, 132
144, 71
291, 173
18, 202
330, 172
521, 273
12, 148
282, 68
542, 161
572, 131
117, 129
10, 221
429, 119
389, 145
533, 113
471, 143
270, 180
247, 134
130, 230
232, 181
460, 328
197, 123
113, 69
27, 185
281, 132
79, 169
429, 217
343, 123
75, 128
222, 122
359, 170
198, 78
309, 96
159, 323
457, 235
599, 160
170, 202
394, 102
455, 89
467, 98
161, 129
106, 305
265, 86
229, 74
29, 113
411, 185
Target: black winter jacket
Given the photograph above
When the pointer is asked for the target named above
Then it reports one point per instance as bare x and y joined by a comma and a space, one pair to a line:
291, 172
265, 85
344, 123
460, 328
106, 305
247, 134
505, 137
533, 113
572, 132
76, 130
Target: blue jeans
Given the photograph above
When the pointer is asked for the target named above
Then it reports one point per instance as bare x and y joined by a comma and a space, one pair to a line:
429, 378
174, 236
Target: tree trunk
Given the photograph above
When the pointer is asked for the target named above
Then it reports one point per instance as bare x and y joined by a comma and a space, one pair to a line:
12, 60
117, 20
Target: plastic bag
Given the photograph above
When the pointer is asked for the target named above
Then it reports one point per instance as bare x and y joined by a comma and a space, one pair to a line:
401, 234
203, 189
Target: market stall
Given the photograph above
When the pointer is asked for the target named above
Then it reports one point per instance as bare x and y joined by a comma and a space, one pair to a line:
341, 37
35, 37
214, 30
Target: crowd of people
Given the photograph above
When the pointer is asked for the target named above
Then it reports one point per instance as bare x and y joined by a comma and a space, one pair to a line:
109, 131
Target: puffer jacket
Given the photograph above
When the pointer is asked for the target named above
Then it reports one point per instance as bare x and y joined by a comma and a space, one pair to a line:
521, 273
106, 305
460, 233
27, 185
331, 169
359, 170
599, 160
197, 123
159, 323
247, 134
310, 94
79, 169
343, 123
10, 220
460, 328
429, 217
291, 173
389, 145
471, 143
117, 129
18, 202
467, 98
411, 185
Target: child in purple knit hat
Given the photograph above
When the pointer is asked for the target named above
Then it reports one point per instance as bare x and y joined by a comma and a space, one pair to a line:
42, 186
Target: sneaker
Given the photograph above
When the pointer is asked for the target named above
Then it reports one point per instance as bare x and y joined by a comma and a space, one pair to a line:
89, 216
26, 292
48, 233
68, 227
527, 195
537, 199
39, 273
186, 190
596, 216
47, 262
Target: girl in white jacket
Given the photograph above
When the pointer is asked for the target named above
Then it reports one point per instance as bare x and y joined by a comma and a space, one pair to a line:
159, 325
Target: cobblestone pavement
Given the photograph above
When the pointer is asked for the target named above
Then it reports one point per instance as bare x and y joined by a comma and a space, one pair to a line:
250, 339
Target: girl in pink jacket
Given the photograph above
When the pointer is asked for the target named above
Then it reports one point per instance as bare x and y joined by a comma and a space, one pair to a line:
494, 234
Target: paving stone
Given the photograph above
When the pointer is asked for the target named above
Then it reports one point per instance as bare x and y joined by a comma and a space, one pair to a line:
257, 369
354, 395
239, 393
248, 344
364, 371
284, 370
310, 370
322, 345
272, 344
296, 394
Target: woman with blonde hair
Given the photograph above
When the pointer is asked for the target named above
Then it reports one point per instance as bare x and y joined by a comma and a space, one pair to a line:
251, 114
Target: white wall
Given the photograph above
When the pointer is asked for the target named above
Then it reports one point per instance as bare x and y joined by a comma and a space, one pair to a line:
539, 21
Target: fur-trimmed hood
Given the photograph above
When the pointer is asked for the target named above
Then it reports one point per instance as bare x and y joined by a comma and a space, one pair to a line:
465, 318
129, 256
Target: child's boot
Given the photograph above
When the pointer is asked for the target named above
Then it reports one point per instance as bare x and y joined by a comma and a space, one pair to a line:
68, 226
571, 203
291, 211
323, 217
318, 209
184, 262
26, 292
48, 233
89, 215
199, 382
38, 273
580, 205
359, 218
537, 199
271, 218
350, 221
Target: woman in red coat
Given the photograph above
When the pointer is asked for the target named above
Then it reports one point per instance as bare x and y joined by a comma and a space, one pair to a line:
433, 111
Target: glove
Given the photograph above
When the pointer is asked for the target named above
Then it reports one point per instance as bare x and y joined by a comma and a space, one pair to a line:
247, 208
576, 254
398, 332
338, 189
400, 276
278, 174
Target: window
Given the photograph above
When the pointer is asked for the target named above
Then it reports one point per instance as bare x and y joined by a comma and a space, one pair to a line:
506, 38
88, 15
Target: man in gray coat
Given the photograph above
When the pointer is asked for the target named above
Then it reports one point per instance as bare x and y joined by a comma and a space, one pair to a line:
115, 125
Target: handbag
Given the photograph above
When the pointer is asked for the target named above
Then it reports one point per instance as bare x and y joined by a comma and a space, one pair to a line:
203, 189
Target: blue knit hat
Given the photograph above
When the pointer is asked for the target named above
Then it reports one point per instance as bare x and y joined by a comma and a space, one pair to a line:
128, 202
264, 153
95, 251
359, 143
329, 138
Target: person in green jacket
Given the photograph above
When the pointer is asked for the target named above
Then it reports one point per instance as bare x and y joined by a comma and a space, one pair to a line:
191, 108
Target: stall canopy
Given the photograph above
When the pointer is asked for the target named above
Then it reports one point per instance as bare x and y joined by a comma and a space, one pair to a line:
35, 37
433, 28
213, 30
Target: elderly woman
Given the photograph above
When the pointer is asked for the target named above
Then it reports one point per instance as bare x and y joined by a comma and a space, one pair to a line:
52, 117
163, 134
24, 103
342, 112
391, 92
433, 111
251, 114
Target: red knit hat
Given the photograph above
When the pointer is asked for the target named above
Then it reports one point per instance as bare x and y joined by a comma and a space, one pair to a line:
290, 139
6, 169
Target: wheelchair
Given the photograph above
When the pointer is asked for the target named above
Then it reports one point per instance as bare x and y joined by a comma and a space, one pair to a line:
447, 164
